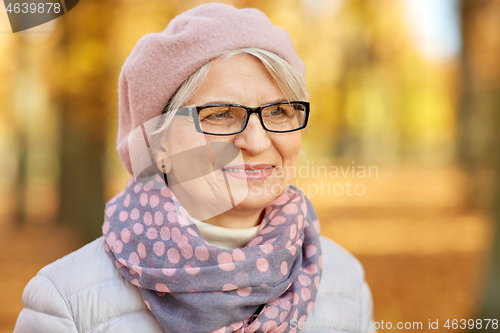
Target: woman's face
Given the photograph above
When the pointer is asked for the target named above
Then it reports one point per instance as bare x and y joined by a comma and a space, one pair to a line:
240, 80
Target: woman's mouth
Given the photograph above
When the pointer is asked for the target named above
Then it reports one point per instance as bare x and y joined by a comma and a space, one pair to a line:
255, 172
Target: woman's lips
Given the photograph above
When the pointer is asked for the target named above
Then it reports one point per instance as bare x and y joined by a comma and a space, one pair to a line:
249, 172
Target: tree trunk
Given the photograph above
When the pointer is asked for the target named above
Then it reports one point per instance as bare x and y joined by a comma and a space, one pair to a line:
83, 118
480, 127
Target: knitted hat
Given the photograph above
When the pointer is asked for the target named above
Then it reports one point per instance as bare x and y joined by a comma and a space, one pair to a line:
160, 62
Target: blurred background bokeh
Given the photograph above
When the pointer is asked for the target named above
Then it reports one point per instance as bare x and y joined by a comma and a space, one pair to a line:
400, 159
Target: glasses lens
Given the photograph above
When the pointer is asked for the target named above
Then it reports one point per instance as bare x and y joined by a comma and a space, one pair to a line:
221, 119
284, 117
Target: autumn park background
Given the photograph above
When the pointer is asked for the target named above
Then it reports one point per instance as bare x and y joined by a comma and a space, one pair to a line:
410, 88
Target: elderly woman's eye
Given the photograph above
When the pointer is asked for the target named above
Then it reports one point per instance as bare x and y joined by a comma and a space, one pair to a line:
212, 114
222, 114
278, 111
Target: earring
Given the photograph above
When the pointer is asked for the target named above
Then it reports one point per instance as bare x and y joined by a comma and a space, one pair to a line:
164, 168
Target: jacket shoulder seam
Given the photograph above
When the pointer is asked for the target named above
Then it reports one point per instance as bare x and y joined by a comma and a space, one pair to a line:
121, 316
45, 313
90, 286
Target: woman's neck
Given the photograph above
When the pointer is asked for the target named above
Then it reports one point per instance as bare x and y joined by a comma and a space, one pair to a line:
236, 219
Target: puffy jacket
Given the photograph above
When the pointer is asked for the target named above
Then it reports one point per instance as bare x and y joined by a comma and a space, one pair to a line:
84, 292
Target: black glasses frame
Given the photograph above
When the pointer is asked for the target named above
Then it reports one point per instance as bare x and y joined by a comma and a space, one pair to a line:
188, 111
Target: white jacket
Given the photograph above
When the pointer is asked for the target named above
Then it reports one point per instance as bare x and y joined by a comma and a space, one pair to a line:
84, 292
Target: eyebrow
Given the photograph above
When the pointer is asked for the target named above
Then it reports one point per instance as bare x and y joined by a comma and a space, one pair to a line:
227, 102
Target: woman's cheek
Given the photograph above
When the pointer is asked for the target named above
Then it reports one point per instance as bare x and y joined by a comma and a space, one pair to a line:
290, 153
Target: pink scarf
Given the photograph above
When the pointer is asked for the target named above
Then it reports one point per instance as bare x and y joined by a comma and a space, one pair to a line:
192, 286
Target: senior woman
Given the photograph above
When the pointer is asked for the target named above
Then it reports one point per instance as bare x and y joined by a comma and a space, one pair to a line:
208, 234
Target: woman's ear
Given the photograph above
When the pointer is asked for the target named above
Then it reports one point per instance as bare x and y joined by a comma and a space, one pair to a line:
163, 160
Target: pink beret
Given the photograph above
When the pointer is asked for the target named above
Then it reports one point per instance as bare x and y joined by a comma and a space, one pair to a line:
160, 62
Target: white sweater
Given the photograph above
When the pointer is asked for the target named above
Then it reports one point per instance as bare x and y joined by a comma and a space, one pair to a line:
226, 238
85, 293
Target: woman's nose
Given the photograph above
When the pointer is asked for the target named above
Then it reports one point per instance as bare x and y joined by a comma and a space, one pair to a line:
254, 139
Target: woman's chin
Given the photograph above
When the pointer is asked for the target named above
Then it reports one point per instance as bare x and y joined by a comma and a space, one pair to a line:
260, 197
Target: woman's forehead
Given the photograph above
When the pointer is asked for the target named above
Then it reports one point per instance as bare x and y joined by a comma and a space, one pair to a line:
238, 80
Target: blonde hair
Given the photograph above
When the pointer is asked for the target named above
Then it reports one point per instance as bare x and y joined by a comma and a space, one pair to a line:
291, 83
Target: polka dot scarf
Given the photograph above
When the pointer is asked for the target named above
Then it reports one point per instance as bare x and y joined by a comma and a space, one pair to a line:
192, 286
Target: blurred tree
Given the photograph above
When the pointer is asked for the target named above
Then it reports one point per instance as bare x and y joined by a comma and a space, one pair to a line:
480, 126
22, 146
83, 76
20, 217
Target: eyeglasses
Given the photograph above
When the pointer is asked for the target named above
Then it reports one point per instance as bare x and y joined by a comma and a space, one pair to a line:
230, 119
